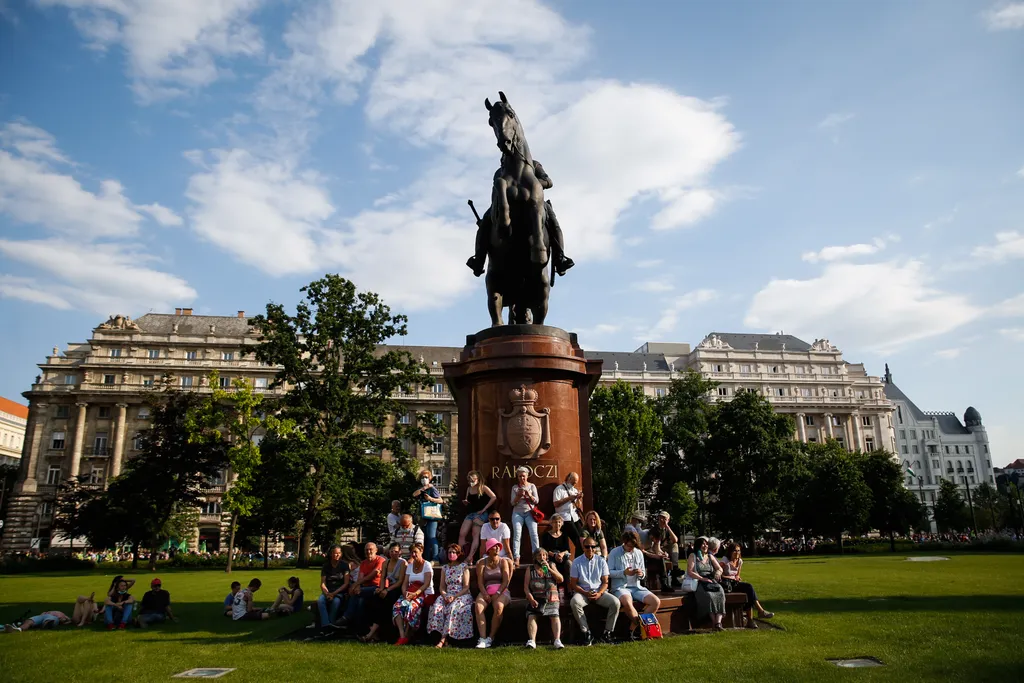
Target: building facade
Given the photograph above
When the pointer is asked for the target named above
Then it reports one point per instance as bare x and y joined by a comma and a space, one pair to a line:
933, 446
13, 418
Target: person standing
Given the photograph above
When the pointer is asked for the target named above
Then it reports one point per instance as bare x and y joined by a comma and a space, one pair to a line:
156, 605
568, 501
670, 545
588, 583
394, 517
430, 500
524, 499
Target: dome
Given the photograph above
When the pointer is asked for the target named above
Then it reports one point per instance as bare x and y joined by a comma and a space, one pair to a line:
972, 418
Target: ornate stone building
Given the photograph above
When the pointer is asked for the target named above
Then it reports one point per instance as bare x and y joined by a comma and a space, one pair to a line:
933, 446
13, 418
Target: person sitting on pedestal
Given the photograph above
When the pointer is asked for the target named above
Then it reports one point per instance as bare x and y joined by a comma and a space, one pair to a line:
406, 534
670, 544
588, 582
478, 502
452, 612
701, 570
387, 594
556, 542
363, 587
334, 582
524, 498
417, 587
492, 576
497, 530
732, 581
594, 528
540, 585
626, 569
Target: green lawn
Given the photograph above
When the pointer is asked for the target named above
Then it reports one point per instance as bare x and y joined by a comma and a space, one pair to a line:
961, 619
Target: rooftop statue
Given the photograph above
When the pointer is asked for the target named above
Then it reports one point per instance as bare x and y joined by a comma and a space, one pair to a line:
518, 236
119, 322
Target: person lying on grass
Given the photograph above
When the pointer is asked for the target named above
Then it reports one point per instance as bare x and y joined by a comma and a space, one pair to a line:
50, 619
229, 601
156, 605
243, 609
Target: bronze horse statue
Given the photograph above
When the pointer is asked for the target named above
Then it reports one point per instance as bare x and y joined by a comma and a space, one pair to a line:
519, 231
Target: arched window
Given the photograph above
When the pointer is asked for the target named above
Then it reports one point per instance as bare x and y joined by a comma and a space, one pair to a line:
906, 464
917, 464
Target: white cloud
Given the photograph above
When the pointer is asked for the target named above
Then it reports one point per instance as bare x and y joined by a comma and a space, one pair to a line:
841, 253
655, 285
948, 354
94, 262
1010, 308
875, 306
1009, 245
1021, 172
1005, 16
684, 207
1013, 333
670, 312
172, 45
835, 119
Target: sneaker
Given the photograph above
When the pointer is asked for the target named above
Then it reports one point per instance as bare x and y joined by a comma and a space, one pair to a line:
558, 644
122, 626
531, 645
586, 639
608, 638
11, 628
402, 641
766, 615
483, 643
110, 627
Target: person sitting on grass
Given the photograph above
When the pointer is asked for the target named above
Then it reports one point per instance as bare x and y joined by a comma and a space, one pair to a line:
118, 606
86, 610
733, 582
365, 582
493, 574
588, 583
625, 570
417, 586
289, 598
540, 585
156, 605
51, 619
243, 609
334, 582
229, 601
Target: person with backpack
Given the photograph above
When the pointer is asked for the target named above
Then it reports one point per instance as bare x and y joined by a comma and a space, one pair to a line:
625, 572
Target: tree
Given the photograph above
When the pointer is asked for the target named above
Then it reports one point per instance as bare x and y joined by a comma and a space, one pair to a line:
988, 501
276, 480
179, 454
950, 511
71, 500
682, 506
753, 453
686, 413
246, 415
834, 498
343, 387
625, 440
894, 509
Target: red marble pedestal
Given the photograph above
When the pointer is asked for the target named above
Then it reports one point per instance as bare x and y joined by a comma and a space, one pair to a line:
523, 394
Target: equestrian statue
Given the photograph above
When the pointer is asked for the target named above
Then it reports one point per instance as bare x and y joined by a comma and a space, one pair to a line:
518, 236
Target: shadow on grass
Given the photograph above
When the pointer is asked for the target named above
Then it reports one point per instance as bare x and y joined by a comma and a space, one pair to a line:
900, 603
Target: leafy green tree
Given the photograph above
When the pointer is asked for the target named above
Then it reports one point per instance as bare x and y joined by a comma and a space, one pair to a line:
894, 509
682, 506
754, 454
342, 388
625, 440
988, 502
834, 498
71, 498
950, 511
687, 413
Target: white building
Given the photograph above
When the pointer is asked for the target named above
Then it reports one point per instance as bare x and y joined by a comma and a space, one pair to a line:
13, 419
937, 446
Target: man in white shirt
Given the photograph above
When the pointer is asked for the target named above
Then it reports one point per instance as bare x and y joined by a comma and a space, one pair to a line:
394, 517
498, 530
567, 500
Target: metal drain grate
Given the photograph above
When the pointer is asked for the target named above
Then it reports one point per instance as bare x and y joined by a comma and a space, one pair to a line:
856, 663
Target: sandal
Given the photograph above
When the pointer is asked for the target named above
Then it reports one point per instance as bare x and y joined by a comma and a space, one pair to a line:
369, 640
766, 615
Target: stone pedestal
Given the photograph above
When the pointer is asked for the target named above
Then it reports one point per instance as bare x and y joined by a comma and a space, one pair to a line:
523, 394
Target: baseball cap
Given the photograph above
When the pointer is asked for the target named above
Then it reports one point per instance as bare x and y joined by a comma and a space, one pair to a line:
155, 582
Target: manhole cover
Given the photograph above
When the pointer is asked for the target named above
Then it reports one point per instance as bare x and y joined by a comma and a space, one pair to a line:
203, 673
856, 662
926, 559
877, 599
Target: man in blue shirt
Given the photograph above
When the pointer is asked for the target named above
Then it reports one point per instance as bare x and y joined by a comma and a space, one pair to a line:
588, 583
625, 570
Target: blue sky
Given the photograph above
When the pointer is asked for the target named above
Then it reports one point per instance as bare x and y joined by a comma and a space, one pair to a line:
845, 170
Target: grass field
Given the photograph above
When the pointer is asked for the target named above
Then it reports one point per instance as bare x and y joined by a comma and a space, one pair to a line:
961, 619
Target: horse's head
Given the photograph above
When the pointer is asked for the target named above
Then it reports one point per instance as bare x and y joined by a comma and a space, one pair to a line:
503, 120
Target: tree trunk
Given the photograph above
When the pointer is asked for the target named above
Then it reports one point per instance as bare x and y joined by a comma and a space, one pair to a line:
231, 541
153, 545
892, 541
266, 549
840, 542
306, 536
135, 555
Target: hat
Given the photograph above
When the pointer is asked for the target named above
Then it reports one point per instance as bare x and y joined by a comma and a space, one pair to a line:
155, 582
665, 515
491, 542
638, 516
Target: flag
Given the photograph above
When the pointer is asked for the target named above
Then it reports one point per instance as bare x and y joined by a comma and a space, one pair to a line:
911, 472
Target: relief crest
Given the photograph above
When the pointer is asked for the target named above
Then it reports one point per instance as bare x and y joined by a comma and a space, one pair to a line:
524, 432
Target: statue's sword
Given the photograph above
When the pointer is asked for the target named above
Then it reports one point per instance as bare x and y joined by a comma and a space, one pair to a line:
470, 202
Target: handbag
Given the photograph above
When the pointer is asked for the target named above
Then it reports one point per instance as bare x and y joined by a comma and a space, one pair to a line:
713, 587
538, 516
430, 510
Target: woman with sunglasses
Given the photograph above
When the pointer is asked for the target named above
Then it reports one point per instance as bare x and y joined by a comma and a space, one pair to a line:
417, 587
452, 612
492, 577
478, 502
701, 570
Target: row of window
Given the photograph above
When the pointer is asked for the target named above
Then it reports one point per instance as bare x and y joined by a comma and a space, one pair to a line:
102, 412
775, 369
11, 440
54, 472
156, 354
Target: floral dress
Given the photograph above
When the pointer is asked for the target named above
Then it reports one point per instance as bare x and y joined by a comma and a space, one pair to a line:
453, 619
411, 611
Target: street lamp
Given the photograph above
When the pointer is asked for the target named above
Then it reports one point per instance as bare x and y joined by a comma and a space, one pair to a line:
974, 522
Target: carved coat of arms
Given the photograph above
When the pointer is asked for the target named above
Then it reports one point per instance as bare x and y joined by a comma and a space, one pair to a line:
524, 432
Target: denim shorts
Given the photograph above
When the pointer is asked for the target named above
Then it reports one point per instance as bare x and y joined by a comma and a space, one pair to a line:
477, 516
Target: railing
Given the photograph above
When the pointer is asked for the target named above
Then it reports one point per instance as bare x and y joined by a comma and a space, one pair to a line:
97, 451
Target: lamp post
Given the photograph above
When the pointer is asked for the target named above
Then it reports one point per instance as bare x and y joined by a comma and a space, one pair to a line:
970, 503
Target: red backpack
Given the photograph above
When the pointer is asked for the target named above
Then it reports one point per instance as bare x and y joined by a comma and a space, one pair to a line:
649, 627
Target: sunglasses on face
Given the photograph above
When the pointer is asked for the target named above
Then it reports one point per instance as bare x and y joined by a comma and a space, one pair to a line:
495, 519
590, 547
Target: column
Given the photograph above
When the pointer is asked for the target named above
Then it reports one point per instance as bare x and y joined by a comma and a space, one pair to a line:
828, 425
859, 432
76, 446
29, 482
115, 463
801, 427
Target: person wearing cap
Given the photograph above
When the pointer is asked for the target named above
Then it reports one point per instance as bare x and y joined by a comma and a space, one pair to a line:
588, 583
493, 574
156, 605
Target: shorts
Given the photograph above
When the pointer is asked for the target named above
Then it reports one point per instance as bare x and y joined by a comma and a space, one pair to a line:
545, 608
251, 616
44, 620
152, 617
477, 516
638, 593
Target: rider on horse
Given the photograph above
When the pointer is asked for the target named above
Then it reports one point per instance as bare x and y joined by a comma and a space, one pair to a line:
554, 230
